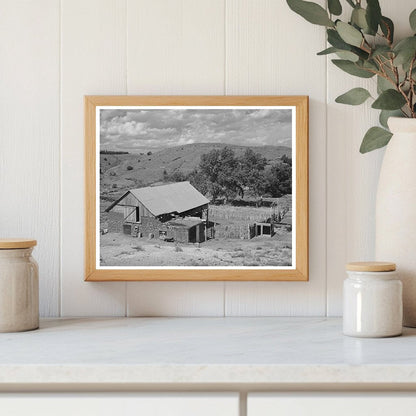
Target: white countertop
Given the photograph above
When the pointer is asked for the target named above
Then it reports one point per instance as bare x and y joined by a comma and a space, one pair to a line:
204, 351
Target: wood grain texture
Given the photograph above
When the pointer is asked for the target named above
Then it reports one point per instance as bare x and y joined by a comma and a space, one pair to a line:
29, 135
11, 243
352, 177
260, 59
93, 60
185, 55
301, 220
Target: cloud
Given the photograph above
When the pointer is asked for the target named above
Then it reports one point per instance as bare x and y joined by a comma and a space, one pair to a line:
135, 129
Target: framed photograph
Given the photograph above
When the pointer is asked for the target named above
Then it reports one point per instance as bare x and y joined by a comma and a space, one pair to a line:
196, 188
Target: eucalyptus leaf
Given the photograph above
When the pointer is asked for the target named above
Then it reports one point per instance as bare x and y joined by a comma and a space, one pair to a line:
311, 12
335, 40
370, 64
334, 7
373, 15
356, 96
405, 51
375, 138
349, 34
352, 68
386, 114
412, 20
387, 27
381, 50
348, 56
383, 84
389, 100
327, 51
358, 18
351, 3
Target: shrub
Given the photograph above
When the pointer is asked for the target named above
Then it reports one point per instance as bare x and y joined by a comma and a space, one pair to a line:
129, 167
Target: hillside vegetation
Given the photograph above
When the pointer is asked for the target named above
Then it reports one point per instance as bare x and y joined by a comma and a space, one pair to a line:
120, 172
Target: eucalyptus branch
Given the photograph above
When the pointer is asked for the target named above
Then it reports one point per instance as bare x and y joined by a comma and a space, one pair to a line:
366, 47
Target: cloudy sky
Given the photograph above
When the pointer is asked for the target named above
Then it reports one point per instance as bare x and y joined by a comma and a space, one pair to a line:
142, 130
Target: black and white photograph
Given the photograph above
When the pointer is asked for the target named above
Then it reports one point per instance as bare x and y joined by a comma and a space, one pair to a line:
195, 187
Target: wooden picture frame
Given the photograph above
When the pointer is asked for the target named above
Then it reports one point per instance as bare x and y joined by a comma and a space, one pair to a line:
254, 106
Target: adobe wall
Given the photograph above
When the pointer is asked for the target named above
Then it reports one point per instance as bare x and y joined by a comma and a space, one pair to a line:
115, 222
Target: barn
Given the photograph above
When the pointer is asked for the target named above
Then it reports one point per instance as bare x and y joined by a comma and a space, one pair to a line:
173, 212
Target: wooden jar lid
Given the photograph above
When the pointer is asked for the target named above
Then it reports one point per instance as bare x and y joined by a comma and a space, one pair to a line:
11, 243
371, 266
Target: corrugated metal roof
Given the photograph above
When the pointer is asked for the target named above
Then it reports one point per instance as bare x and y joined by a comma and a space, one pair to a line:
175, 197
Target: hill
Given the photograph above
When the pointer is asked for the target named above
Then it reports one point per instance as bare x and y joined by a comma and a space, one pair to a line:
126, 171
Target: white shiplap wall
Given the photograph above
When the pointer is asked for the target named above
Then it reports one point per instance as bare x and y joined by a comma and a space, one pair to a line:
55, 52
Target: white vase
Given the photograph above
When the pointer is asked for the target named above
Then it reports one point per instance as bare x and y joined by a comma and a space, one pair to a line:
396, 210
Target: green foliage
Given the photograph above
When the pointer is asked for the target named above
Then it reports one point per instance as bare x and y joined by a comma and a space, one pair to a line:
359, 19
389, 100
387, 27
386, 114
334, 7
352, 68
373, 15
375, 138
405, 52
366, 47
349, 34
412, 20
311, 12
355, 96
328, 51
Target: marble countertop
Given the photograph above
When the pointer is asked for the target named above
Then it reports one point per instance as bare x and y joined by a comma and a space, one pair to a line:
204, 351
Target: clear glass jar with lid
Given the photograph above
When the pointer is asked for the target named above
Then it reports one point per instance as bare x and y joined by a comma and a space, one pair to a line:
372, 300
19, 286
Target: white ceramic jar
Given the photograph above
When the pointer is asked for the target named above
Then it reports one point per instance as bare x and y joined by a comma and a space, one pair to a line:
372, 300
19, 286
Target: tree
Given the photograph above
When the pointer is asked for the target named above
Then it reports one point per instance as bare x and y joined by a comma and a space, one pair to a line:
279, 180
199, 181
219, 167
250, 173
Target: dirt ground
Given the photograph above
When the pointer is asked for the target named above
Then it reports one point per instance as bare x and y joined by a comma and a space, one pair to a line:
124, 250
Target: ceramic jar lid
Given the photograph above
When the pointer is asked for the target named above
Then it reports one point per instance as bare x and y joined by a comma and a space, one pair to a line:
371, 266
13, 243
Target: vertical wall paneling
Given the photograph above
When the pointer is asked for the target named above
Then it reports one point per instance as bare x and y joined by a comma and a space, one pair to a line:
93, 61
175, 47
352, 178
29, 135
271, 50
55, 52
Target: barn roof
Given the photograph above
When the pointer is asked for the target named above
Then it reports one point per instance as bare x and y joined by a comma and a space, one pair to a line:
164, 199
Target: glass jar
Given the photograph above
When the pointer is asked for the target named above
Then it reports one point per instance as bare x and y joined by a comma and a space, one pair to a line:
372, 300
19, 286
